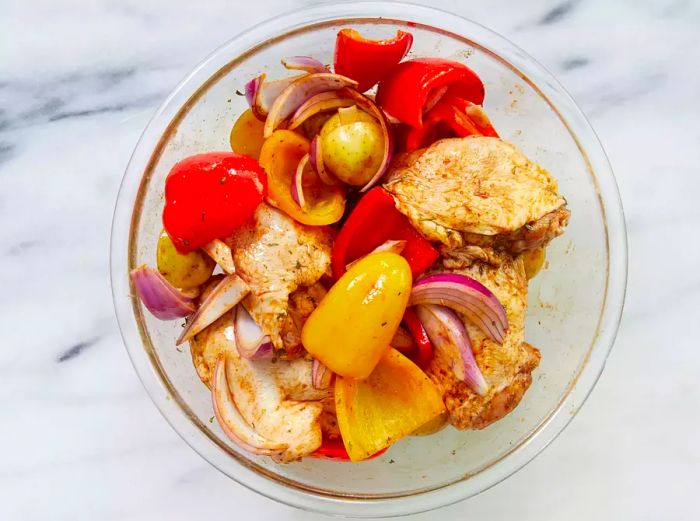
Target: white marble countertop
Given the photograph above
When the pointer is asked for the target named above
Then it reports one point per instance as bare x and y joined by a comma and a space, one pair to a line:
79, 437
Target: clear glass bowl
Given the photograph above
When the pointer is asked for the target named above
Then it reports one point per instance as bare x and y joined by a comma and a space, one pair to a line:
575, 303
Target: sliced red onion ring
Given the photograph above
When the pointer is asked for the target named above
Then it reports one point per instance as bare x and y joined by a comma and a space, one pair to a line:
220, 252
388, 246
160, 298
391, 119
227, 293
250, 339
467, 296
264, 352
402, 341
231, 420
251, 91
261, 94
322, 102
294, 95
371, 108
297, 182
303, 63
451, 340
321, 376
316, 158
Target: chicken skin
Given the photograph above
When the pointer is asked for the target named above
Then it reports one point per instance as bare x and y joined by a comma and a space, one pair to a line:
275, 256
478, 190
506, 367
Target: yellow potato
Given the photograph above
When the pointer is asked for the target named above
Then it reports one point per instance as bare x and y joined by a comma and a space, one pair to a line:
182, 271
345, 116
354, 152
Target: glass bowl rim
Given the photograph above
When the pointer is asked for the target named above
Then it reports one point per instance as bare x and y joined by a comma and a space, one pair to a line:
123, 240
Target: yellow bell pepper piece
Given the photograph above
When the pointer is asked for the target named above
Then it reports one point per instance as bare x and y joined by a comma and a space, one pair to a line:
392, 403
247, 135
279, 157
354, 323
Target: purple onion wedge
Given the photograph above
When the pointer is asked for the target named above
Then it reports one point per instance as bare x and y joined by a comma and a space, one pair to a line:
159, 296
467, 296
227, 293
303, 63
451, 341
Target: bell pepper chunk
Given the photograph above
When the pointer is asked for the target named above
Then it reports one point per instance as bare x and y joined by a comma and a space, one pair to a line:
450, 117
394, 401
405, 92
368, 61
372, 222
279, 157
354, 323
423, 353
335, 450
208, 196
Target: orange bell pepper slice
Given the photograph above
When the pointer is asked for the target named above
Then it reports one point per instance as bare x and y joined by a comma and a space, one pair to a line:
279, 157
394, 401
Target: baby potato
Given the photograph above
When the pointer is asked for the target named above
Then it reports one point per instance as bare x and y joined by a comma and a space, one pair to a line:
345, 116
182, 271
353, 152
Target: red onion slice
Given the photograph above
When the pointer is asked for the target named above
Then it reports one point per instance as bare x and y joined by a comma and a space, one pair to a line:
451, 341
298, 182
231, 420
251, 91
316, 158
322, 102
402, 341
264, 352
292, 97
229, 292
303, 63
160, 298
220, 252
261, 94
321, 376
467, 296
249, 337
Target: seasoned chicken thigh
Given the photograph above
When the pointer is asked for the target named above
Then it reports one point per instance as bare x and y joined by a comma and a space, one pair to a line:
276, 399
275, 255
507, 368
478, 190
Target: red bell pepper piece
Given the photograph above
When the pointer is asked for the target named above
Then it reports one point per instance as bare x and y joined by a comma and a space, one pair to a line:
208, 196
451, 116
372, 222
405, 92
474, 112
424, 352
334, 449
368, 61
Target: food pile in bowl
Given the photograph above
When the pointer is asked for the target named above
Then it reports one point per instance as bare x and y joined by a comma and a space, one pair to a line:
356, 270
